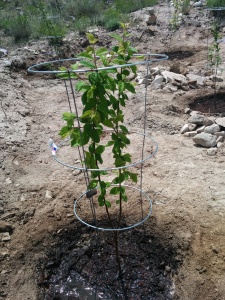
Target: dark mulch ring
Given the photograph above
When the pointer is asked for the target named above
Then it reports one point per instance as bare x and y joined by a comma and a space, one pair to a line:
213, 103
179, 54
82, 265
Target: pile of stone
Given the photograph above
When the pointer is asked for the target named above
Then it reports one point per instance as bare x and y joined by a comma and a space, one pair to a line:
159, 78
208, 132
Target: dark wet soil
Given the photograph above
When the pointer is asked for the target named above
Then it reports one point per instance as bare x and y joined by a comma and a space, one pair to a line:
179, 54
213, 103
82, 265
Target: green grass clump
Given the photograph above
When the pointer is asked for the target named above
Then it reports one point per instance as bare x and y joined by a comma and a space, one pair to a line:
133, 5
18, 27
215, 3
111, 19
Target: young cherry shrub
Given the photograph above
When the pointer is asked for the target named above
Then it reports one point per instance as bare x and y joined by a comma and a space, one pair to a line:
104, 97
214, 56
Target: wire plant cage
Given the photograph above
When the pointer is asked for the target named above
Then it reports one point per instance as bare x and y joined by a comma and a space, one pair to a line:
145, 146
138, 207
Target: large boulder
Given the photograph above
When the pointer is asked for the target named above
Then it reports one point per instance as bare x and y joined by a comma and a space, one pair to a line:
206, 140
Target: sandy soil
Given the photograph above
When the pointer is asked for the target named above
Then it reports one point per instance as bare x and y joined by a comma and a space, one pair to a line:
186, 184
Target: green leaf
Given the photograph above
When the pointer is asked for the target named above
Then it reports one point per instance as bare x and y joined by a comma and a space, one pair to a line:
111, 83
108, 123
134, 69
127, 157
130, 87
133, 177
96, 118
101, 51
115, 190
110, 143
124, 129
104, 61
94, 78
124, 138
74, 67
86, 54
87, 158
69, 118
100, 149
119, 162
119, 179
68, 115
124, 197
100, 200
126, 72
84, 137
115, 49
117, 37
88, 64
65, 131
99, 158
93, 184
121, 86
95, 136
82, 86
87, 114
91, 38
107, 203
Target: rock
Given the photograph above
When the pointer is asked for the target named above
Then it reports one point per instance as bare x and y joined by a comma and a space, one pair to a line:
18, 63
145, 81
220, 139
196, 119
156, 83
152, 19
5, 227
220, 145
171, 88
212, 128
220, 133
70, 215
172, 77
200, 129
8, 181
220, 121
155, 71
15, 162
198, 4
185, 88
76, 172
3, 52
6, 237
192, 127
206, 140
208, 121
190, 133
215, 78
151, 30
48, 195
184, 129
187, 110
167, 268
193, 79
211, 151
7, 63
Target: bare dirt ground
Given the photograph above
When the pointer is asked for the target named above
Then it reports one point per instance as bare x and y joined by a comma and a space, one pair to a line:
186, 184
